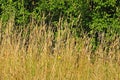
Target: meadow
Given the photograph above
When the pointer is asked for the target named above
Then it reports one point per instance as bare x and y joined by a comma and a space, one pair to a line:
64, 57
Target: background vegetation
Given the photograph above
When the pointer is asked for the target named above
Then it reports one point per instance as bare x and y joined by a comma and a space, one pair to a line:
59, 39
94, 17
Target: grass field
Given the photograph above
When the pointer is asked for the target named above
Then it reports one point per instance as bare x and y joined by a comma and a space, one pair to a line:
71, 58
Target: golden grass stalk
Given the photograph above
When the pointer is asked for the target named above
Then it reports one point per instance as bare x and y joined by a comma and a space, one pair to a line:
68, 59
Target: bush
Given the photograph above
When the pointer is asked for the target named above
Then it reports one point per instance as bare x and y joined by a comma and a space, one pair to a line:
91, 17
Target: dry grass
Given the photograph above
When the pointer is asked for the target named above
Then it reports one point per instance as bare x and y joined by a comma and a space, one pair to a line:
70, 59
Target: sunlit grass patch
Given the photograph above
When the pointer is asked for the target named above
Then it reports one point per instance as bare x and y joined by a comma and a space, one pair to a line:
63, 57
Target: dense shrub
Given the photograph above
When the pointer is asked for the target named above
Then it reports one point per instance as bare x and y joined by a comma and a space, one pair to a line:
89, 16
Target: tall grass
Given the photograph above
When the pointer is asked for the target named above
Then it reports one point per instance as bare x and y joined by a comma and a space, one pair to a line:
51, 56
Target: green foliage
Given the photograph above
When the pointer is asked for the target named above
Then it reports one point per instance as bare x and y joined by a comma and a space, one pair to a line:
105, 16
89, 16
7, 10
